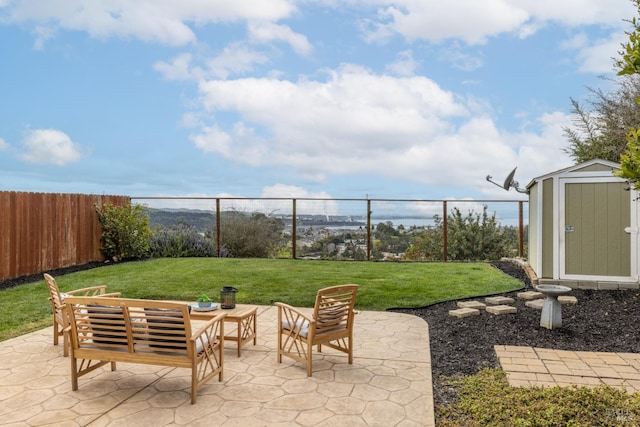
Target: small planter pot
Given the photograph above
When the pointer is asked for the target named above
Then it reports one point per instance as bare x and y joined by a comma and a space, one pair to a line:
202, 304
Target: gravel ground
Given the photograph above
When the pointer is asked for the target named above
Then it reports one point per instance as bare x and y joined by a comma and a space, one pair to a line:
601, 321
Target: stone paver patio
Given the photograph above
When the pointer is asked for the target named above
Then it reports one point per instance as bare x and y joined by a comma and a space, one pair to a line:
389, 384
543, 367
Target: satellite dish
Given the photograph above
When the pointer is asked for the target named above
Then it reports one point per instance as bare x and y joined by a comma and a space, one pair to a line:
509, 182
509, 179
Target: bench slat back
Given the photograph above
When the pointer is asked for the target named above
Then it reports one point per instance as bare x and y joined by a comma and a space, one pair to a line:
163, 332
134, 326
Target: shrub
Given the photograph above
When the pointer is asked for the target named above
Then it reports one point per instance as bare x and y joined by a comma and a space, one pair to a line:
486, 399
470, 237
476, 236
251, 236
125, 232
180, 241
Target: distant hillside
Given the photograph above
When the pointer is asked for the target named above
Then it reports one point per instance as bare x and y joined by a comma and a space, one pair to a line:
201, 220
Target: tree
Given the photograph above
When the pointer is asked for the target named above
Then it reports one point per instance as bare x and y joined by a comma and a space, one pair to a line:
125, 231
600, 125
629, 65
251, 236
476, 236
469, 237
427, 244
388, 239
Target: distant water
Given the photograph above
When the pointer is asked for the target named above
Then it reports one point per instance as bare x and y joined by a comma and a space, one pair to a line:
406, 223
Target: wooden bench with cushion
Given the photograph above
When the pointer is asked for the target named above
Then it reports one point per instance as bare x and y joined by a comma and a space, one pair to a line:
110, 330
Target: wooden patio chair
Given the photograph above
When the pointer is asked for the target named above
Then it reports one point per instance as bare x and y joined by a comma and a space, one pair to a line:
331, 324
60, 317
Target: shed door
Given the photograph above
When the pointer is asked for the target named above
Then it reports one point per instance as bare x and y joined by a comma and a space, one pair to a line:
596, 244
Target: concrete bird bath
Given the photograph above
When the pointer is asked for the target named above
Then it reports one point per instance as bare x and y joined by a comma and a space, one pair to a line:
551, 317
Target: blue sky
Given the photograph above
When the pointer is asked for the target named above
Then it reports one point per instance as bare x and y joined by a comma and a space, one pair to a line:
408, 99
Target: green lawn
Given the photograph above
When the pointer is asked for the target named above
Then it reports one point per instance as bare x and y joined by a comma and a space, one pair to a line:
260, 281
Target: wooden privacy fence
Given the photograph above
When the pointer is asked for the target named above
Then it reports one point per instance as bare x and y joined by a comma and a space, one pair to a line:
44, 231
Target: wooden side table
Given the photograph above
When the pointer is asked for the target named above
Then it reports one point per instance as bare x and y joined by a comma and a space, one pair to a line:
244, 316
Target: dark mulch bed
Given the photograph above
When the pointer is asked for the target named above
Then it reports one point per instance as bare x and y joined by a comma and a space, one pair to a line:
10, 283
601, 321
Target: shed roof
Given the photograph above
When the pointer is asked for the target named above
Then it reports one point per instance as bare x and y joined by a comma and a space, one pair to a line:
575, 168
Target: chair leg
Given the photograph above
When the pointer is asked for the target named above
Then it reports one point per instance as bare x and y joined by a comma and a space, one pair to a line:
279, 336
55, 332
74, 374
194, 383
65, 343
309, 360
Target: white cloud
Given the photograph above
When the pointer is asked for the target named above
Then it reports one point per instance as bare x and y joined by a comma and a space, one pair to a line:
357, 122
179, 68
50, 146
265, 32
404, 66
474, 22
353, 115
539, 151
596, 56
578, 12
235, 59
468, 20
324, 207
160, 21
459, 59
171, 22
271, 204
42, 35
4, 145
292, 191
213, 139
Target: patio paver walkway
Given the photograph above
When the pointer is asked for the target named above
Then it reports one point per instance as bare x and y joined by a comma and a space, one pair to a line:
389, 384
542, 367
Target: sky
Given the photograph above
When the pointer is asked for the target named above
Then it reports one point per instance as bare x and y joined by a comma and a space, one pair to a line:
406, 99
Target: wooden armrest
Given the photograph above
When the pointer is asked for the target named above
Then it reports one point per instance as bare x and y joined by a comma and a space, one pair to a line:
85, 291
293, 311
207, 326
111, 294
294, 320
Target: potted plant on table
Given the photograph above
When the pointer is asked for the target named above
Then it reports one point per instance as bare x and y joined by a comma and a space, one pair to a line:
204, 301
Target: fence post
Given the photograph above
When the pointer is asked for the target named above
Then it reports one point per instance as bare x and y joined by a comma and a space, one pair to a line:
445, 242
520, 231
294, 229
368, 229
218, 248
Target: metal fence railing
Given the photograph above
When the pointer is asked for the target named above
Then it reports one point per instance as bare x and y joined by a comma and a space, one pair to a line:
307, 221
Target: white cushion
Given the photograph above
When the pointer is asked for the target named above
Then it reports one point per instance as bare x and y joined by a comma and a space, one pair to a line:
200, 343
301, 324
